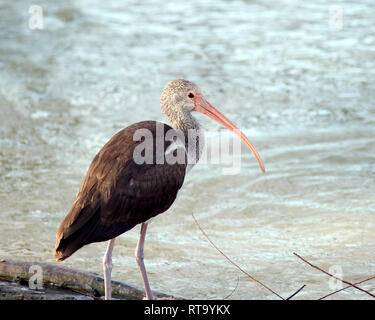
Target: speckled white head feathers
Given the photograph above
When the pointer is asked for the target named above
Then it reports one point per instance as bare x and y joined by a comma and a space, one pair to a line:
178, 101
176, 96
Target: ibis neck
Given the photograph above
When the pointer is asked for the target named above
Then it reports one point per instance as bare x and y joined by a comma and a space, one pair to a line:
185, 121
193, 133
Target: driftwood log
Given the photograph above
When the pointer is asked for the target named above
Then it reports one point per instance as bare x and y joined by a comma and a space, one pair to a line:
59, 282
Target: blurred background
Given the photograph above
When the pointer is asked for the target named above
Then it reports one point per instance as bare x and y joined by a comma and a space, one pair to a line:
297, 77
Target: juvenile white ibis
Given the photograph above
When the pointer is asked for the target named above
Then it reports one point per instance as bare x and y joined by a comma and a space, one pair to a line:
118, 192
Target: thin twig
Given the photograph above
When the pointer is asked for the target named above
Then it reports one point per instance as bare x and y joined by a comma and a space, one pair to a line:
359, 282
331, 275
232, 262
295, 292
235, 288
86, 294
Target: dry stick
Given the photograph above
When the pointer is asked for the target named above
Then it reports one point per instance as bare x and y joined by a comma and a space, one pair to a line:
359, 282
290, 297
238, 280
86, 294
331, 275
232, 262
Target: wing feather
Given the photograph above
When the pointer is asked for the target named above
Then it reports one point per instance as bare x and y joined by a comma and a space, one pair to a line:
117, 193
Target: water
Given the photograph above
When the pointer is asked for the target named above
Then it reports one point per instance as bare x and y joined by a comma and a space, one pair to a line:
302, 91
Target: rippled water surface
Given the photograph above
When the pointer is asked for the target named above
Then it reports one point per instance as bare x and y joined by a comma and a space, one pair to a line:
303, 91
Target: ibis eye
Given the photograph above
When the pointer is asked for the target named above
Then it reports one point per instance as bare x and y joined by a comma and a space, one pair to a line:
191, 95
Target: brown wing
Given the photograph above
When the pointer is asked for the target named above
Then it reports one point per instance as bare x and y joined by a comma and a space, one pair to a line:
118, 193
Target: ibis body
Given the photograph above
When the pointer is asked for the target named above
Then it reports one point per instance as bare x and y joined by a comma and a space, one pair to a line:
123, 187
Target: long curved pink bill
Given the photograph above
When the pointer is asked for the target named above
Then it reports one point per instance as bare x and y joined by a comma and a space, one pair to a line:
206, 108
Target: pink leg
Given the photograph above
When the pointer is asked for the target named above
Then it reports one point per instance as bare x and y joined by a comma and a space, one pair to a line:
107, 268
139, 257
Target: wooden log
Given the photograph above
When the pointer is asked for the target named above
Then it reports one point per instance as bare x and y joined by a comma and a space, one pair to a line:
63, 277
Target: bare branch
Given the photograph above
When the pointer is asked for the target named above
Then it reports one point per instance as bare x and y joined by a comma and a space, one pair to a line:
235, 288
331, 275
86, 294
359, 282
296, 292
232, 262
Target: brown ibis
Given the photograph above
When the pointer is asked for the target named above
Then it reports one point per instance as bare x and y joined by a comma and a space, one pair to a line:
119, 191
